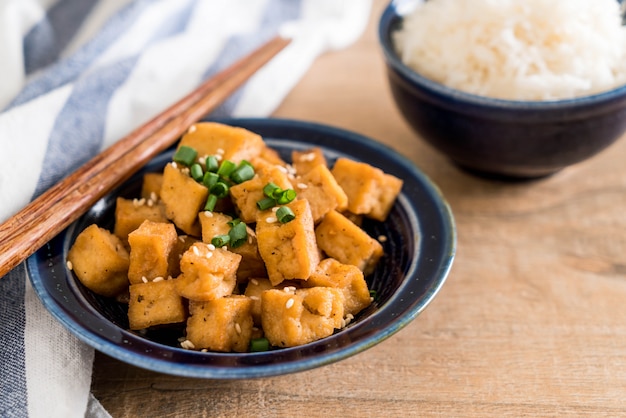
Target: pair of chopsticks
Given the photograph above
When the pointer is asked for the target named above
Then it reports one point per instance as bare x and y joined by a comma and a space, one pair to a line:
54, 210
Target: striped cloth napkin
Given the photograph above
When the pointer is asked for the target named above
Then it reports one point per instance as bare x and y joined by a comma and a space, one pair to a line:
79, 74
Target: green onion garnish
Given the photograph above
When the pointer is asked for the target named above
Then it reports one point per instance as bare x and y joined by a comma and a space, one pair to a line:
233, 222
211, 163
211, 201
226, 168
196, 172
238, 235
284, 214
210, 179
220, 240
286, 196
373, 294
220, 189
266, 203
243, 173
270, 189
259, 344
185, 155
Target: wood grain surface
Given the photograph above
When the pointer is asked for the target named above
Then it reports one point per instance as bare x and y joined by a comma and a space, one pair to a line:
532, 319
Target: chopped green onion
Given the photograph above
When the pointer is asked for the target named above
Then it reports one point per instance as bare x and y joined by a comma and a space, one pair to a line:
373, 294
220, 240
226, 168
243, 173
211, 201
220, 189
270, 189
238, 235
210, 179
233, 222
259, 344
185, 155
196, 172
266, 203
286, 196
211, 163
284, 214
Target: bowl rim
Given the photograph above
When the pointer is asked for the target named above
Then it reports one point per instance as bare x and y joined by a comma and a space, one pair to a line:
392, 16
58, 292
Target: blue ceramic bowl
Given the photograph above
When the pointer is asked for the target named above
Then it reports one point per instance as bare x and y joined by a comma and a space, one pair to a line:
516, 139
419, 251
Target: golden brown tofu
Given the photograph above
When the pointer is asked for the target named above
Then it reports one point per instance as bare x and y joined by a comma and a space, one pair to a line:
151, 186
371, 192
294, 318
251, 265
155, 303
184, 198
304, 161
183, 243
345, 277
129, 214
246, 195
100, 261
207, 272
232, 143
320, 188
223, 324
288, 249
269, 155
150, 248
341, 239
254, 290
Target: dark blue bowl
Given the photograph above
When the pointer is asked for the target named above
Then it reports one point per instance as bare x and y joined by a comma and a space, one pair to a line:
419, 250
516, 139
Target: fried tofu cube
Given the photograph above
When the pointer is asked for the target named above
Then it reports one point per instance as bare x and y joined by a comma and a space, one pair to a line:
269, 155
207, 273
151, 186
345, 277
232, 143
304, 161
150, 248
155, 303
184, 198
320, 188
246, 195
288, 249
100, 261
223, 324
129, 214
295, 318
371, 192
251, 265
254, 290
341, 239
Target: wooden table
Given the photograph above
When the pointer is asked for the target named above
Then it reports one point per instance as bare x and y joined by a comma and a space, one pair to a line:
532, 319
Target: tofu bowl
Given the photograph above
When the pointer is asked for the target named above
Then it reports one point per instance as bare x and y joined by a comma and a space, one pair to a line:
417, 239
490, 132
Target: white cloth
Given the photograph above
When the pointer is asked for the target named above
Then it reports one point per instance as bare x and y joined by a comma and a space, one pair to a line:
77, 75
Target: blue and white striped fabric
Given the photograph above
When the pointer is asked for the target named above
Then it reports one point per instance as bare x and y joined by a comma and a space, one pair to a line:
79, 74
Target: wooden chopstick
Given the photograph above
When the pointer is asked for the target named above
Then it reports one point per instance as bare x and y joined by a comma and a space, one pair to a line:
53, 211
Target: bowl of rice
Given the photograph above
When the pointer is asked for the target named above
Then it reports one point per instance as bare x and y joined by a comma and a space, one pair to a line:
507, 88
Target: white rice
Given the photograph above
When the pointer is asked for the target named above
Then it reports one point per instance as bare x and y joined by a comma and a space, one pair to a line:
517, 49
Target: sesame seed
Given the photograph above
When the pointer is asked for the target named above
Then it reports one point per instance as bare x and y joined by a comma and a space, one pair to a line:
157, 279
195, 250
283, 169
209, 254
150, 203
144, 279
220, 151
187, 345
382, 238
255, 328
289, 303
192, 129
69, 265
211, 247
181, 238
274, 209
237, 328
307, 157
302, 186
270, 219
174, 165
153, 196
255, 297
202, 160
169, 277
208, 214
254, 282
